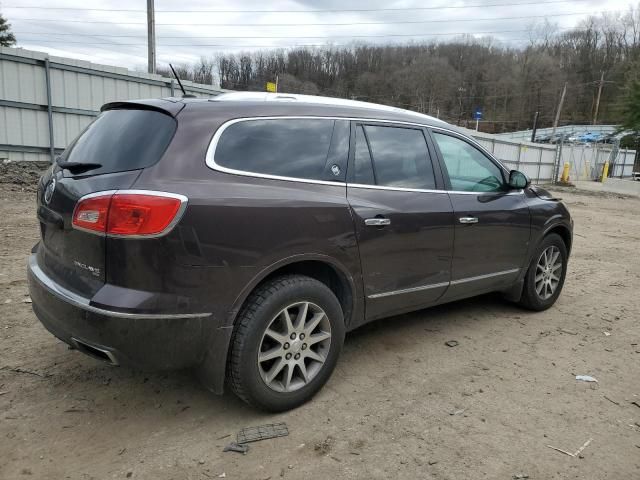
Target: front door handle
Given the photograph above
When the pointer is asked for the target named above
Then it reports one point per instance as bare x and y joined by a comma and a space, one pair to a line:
377, 222
468, 219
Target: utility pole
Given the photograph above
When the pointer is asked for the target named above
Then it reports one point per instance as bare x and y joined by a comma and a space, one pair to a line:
151, 36
557, 119
461, 90
600, 84
535, 127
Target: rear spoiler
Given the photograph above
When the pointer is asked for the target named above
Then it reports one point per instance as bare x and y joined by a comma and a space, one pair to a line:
166, 106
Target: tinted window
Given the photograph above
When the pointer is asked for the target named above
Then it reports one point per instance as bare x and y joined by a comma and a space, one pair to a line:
122, 140
469, 169
297, 148
400, 157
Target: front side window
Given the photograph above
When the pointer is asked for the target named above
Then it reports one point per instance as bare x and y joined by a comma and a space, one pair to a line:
392, 157
298, 148
468, 168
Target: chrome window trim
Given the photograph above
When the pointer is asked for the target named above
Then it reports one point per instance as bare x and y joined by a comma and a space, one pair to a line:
211, 163
443, 284
85, 304
210, 155
183, 206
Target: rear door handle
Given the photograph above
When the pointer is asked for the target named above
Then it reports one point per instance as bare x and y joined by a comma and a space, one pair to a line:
377, 222
468, 219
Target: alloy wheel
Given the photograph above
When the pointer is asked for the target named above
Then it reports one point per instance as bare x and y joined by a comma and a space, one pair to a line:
548, 272
294, 347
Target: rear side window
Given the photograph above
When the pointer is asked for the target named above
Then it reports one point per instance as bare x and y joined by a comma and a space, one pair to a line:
392, 157
314, 149
122, 140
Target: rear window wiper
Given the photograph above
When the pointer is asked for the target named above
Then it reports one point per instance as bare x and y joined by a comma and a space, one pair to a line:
78, 167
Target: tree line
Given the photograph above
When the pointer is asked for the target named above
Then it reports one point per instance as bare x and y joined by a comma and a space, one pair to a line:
450, 79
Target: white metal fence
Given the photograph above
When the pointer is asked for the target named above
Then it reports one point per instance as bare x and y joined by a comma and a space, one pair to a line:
586, 163
46, 101
544, 163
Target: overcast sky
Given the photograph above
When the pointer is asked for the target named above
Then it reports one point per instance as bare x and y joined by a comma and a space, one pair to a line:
189, 29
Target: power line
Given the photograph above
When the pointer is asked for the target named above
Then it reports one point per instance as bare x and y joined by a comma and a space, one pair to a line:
314, 24
335, 10
399, 22
109, 35
191, 45
300, 36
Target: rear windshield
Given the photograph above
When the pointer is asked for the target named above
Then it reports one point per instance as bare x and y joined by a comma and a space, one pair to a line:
122, 140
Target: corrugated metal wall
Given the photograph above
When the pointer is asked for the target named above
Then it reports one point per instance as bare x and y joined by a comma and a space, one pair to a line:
77, 90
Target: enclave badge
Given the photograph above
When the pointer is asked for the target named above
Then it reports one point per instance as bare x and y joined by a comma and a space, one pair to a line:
48, 192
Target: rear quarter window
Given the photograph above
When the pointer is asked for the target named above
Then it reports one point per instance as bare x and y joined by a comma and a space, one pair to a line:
121, 140
314, 149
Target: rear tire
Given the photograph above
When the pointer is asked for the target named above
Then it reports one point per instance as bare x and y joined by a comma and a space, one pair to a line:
286, 343
545, 277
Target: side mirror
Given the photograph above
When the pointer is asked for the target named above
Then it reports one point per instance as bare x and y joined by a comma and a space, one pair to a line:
518, 180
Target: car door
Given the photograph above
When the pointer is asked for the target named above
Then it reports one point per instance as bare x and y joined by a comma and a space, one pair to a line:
403, 218
492, 221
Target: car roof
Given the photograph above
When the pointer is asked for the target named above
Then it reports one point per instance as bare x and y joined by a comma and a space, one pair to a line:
260, 104
298, 104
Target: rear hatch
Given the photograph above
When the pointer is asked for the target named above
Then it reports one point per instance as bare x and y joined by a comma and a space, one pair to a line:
107, 155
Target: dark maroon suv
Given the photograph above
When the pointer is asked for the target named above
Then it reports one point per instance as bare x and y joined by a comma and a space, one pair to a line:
243, 236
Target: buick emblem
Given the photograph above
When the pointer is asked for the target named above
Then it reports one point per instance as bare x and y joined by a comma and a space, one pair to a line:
48, 192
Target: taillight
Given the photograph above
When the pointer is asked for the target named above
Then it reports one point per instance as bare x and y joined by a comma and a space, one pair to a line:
91, 213
129, 213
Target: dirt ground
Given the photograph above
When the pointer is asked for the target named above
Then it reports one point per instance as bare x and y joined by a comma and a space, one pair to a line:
401, 403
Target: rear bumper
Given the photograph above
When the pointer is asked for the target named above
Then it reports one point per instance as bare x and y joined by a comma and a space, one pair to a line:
145, 340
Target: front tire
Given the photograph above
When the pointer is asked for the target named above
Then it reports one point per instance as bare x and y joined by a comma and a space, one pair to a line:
546, 274
286, 343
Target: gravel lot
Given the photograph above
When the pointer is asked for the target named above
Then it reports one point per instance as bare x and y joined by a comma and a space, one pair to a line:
401, 403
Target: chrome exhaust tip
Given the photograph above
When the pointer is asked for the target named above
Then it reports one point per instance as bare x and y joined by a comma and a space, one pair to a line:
99, 353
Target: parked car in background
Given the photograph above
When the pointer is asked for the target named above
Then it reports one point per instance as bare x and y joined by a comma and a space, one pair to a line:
243, 236
560, 138
590, 137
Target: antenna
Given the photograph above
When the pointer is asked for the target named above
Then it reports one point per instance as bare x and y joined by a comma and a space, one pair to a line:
184, 94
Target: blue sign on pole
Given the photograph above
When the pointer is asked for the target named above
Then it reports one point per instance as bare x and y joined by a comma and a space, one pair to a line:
477, 114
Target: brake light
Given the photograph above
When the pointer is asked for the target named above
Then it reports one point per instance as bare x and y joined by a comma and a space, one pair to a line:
127, 213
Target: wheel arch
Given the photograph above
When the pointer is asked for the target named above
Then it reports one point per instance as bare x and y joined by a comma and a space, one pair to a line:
321, 267
561, 230
515, 292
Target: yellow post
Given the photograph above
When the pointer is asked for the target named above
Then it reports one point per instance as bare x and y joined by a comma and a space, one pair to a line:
605, 171
565, 173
